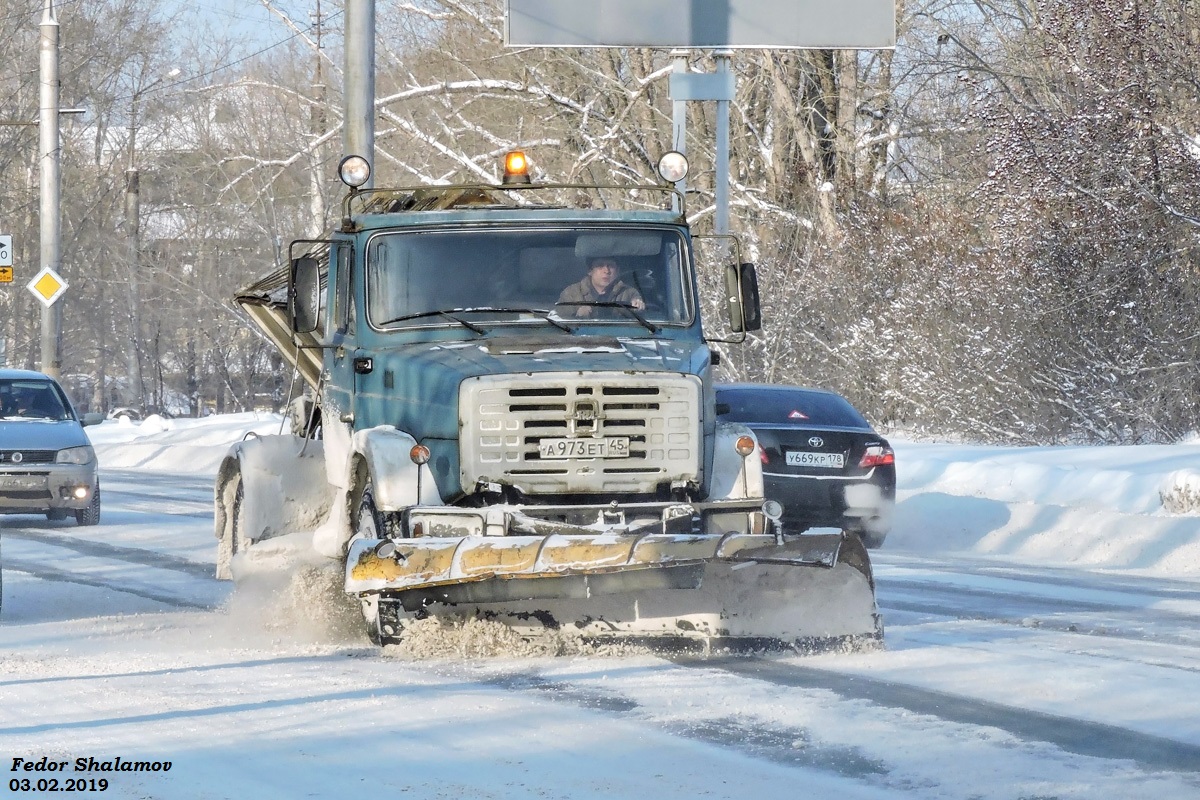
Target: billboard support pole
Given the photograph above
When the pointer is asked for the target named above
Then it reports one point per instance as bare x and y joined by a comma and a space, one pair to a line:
679, 122
721, 166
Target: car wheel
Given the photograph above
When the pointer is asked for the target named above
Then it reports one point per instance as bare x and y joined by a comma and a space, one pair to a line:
91, 514
872, 540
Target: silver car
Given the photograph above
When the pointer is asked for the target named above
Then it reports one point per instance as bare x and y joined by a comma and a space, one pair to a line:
47, 464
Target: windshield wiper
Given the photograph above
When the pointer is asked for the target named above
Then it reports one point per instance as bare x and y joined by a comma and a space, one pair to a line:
650, 326
545, 314
542, 312
448, 314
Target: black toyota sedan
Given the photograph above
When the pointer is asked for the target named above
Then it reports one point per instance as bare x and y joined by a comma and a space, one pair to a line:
821, 459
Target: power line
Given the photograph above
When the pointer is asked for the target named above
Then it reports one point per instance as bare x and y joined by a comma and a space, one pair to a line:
317, 26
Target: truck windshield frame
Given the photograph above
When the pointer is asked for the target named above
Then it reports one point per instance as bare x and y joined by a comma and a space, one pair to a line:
517, 274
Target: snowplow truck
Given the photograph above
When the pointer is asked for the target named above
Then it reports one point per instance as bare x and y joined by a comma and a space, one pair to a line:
486, 433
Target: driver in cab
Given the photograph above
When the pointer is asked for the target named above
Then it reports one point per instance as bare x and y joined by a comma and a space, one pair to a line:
602, 284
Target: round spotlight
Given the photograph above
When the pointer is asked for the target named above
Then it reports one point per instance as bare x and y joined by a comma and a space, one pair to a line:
419, 454
772, 510
81, 492
354, 171
745, 445
673, 167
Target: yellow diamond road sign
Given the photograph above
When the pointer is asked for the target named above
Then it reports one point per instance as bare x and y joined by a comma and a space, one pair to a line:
47, 286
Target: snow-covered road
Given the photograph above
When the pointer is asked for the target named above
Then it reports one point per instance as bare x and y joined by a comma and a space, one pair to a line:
1015, 667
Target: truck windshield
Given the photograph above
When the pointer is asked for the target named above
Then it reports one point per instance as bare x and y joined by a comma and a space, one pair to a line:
583, 274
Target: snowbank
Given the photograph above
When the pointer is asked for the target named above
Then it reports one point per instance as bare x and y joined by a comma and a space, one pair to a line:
1129, 507
175, 445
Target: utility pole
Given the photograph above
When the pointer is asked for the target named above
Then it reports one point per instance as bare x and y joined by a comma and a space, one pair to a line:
318, 119
134, 389
318, 114
358, 133
48, 169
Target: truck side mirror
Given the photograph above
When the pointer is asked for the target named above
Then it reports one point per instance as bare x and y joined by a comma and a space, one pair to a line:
304, 294
741, 292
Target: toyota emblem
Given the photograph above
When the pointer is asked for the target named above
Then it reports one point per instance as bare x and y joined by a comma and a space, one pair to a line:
816, 442
17, 458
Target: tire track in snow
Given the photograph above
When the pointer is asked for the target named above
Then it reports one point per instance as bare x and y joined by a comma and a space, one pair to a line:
1072, 735
62, 576
132, 555
787, 746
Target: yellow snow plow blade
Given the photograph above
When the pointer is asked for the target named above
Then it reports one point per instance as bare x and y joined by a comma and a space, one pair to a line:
732, 588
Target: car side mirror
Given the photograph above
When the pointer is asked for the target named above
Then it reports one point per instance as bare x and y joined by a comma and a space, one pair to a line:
304, 294
741, 295
91, 418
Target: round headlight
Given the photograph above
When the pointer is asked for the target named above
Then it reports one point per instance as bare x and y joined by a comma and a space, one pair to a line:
354, 171
745, 445
673, 167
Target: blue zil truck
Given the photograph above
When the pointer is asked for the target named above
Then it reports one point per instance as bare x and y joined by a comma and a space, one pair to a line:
489, 432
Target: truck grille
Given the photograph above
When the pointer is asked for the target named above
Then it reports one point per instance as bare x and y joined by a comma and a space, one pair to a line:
504, 417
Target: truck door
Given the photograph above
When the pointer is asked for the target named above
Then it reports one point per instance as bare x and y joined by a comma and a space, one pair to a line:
341, 381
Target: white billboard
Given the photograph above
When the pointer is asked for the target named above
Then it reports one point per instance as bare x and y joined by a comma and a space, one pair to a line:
832, 24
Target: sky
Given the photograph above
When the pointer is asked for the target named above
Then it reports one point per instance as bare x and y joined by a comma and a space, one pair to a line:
243, 16
116, 642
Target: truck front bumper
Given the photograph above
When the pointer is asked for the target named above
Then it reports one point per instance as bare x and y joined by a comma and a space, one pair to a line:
719, 517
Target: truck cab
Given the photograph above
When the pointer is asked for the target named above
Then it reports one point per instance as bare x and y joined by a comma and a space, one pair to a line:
467, 318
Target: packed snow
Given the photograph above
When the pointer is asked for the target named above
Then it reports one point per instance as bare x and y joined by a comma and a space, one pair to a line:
116, 643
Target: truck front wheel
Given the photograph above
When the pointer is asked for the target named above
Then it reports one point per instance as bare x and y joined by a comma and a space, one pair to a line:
233, 539
370, 522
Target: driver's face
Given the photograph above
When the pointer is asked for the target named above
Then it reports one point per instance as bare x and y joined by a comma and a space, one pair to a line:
603, 274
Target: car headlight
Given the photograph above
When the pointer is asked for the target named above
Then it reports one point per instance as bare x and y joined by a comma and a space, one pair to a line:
76, 455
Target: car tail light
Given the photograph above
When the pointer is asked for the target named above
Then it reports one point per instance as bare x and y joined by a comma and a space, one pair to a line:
762, 455
878, 455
